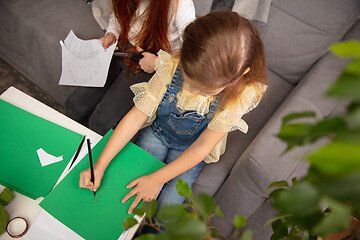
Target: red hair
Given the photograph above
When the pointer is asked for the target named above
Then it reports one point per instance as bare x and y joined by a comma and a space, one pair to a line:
153, 35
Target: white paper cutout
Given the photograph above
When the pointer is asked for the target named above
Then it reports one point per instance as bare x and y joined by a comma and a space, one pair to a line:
46, 158
84, 62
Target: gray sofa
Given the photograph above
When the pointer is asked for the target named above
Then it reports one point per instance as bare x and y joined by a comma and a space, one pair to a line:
296, 37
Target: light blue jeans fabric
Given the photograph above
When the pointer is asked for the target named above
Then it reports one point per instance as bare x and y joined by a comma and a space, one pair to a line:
148, 141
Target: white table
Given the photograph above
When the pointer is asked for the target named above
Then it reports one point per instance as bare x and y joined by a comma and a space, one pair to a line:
21, 205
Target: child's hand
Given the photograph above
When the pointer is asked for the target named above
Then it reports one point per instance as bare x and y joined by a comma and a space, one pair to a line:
108, 40
85, 177
147, 63
146, 188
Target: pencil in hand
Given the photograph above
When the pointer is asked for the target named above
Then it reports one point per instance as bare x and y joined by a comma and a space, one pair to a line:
92, 179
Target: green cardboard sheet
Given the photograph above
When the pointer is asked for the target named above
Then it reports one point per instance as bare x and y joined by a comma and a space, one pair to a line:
21, 134
100, 216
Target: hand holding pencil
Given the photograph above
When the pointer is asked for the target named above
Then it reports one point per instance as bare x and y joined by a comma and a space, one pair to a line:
91, 177
85, 177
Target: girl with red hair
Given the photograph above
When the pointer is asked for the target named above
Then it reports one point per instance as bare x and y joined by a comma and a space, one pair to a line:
148, 25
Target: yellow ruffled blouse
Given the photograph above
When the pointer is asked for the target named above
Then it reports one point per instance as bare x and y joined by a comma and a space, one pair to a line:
148, 96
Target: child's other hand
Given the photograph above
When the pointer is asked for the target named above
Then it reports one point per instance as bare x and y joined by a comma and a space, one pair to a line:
85, 177
146, 188
108, 40
147, 63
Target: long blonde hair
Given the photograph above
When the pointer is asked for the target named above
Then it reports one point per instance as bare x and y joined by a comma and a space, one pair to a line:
218, 48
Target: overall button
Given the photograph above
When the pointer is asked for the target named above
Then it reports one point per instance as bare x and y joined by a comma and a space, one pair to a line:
171, 98
210, 115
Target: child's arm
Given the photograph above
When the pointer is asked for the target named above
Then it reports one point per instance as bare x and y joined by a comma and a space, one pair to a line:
147, 187
125, 130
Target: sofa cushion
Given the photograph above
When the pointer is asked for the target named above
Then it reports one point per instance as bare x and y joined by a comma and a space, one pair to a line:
299, 32
202, 7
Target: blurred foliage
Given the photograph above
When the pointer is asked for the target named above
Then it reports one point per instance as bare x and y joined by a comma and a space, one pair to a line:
5, 198
333, 180
187, 221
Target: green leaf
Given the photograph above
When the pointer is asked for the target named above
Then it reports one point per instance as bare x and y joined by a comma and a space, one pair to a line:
349, 48
347, 86
280, 230
275, 194
271, 220
353, 106
349, 136
169, 225
129, 222
183, 188
297, 115
6, 196
164, 236
204, 204
294, 234
300, 200
139, 211
345, 188
147, 236
277, 184
305, 221
327, 127
239, 221
172, 212
353, 116
338, 219
218, 211
353, 67
150, 208
188, 229
304, 133
4, 218
313, 237
337, 158
294, 134
247, 235
356, 210
294, 181
214, 233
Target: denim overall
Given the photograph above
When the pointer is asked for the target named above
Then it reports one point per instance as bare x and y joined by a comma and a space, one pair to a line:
172, 132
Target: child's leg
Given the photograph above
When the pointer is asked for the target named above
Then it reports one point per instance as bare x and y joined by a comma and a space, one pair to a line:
148, 141
169, 194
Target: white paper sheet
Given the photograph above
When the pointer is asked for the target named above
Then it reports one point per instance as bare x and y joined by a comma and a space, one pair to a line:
46, 158
46, 227
84, 62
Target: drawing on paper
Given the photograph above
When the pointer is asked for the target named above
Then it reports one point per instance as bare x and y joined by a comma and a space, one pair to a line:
84, 62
